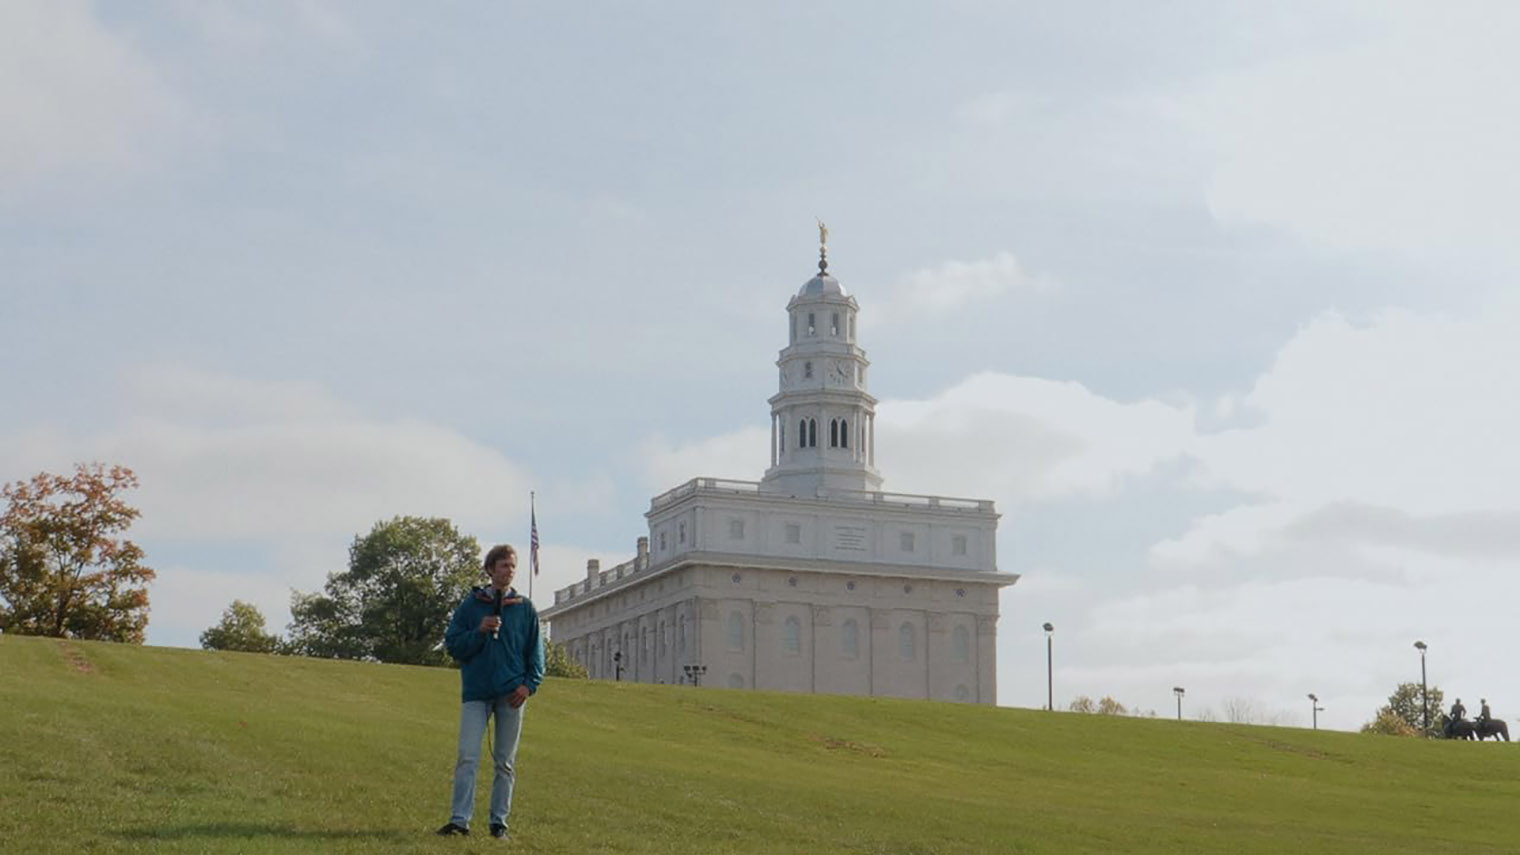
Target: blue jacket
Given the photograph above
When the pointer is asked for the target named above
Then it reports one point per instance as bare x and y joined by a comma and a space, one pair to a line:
492, 668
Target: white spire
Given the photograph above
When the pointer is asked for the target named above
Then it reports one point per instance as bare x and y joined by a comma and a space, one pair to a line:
823, 422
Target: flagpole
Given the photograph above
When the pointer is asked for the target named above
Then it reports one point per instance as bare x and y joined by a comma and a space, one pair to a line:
532, 541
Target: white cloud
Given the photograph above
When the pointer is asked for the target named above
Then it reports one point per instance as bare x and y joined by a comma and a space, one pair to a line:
952, 285
75, 96
278, 466
1409, 412
740, 455
1396, 138
1025, 438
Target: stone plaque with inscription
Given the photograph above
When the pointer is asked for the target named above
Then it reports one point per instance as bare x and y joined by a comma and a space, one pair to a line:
851, 538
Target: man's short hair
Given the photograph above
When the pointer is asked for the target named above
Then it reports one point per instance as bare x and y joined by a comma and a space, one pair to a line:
497, 553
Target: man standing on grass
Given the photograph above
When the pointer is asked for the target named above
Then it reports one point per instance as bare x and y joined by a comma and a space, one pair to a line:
494, 637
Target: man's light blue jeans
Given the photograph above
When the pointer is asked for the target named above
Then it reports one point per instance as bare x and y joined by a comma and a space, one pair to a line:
473, 716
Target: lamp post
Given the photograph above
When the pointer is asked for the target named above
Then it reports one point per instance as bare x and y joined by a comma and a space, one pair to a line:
1424, 687
694, 673
1179, 692
1315, 709
617, 665
1050, 680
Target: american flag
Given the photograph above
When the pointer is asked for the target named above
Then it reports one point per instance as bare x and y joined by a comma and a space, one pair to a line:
533, 540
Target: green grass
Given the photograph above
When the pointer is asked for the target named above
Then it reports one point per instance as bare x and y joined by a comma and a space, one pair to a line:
115, 748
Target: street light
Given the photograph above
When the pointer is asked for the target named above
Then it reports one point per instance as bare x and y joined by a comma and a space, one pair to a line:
694, 673
1179, 692
617, 665
1050, 680
1424, 687
1316, 709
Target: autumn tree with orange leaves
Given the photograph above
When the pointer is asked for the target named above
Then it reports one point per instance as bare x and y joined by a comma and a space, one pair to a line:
65, 568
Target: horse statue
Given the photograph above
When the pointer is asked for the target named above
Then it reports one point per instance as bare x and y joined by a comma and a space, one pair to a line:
1494, 727
1473, 729
1460, 728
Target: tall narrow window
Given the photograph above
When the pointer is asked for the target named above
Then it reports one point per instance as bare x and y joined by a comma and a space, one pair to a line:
844, 433
794, 328
807, 370
833, 433
907, 641
802, 433
735, 631
852, 327
960, 645
791, 636
681, 532
834, 325
812, 433
812, 325
849, 639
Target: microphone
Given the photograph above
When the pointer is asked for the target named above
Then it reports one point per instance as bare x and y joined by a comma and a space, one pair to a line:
496, 633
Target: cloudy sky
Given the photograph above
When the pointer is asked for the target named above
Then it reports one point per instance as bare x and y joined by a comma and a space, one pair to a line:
1216, 300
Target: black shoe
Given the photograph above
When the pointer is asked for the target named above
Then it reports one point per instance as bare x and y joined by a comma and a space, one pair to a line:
451, 829
499, 831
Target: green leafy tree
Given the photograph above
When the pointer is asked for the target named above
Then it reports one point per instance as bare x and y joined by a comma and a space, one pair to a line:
242, 628
65, 568
557, 662
1407, 705
393, 602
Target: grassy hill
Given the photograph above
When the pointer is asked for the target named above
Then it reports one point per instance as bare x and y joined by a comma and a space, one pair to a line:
114, 748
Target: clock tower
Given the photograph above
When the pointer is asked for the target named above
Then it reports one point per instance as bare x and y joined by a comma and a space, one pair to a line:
823, 422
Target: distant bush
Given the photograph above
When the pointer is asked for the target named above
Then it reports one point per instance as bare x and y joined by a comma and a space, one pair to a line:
1390, 723
1107, 706
557, 662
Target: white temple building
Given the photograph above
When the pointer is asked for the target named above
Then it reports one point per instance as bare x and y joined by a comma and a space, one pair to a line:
811, 579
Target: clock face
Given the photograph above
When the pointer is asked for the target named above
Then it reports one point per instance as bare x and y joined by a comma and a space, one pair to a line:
841, 372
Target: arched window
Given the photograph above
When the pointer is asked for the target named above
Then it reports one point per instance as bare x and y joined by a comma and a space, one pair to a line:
834, 325
849, 639
802, 433
907, 641
844, 433
812, 325
791, 636
812, 433
735, 631
833, 433
960, 645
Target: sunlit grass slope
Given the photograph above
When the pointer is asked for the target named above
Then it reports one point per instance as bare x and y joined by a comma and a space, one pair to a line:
114, 748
